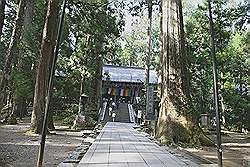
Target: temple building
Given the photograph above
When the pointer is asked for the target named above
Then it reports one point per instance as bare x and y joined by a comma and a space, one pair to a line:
124, 83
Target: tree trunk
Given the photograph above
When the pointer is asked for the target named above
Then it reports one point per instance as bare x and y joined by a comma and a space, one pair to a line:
51, 125
174, 123
161, 71
12, 51
2, 16
22, 65
23, 108
81, 92
222, 97
47, 48
99, 81
12, 118
30, 7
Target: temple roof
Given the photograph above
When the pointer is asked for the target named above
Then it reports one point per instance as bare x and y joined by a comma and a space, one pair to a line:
128, 74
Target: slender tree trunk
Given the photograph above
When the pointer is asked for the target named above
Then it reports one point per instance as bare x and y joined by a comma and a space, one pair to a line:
30, 7
12, 119
23, 107
174, 123
2, 16
12, 51
222, 97
81, 92
47, 48
51, 125
99, 81
97, 86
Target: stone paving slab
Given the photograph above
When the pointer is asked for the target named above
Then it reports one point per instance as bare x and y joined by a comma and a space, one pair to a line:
119, 145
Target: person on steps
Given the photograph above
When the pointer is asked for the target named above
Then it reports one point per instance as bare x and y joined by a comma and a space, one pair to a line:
113, 116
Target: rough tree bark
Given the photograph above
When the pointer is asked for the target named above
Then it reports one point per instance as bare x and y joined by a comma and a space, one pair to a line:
174, 123
22, 65
2, 16
51, 125
47, 50
12, 51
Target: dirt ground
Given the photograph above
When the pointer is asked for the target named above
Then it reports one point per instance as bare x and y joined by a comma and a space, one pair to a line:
236, 149
21, 150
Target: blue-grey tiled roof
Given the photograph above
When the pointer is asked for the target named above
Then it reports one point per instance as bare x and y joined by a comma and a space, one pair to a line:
128, 74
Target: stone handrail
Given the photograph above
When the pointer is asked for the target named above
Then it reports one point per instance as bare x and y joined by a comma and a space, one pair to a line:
103, 110
131, 113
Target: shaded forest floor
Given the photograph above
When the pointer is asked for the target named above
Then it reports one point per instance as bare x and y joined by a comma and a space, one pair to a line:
236, 149
17, 148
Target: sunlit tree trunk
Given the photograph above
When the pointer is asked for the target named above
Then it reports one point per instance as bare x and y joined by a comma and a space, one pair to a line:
174, 123
47, 50
81, 92
2, 16
99, 81
12, 50
222, 84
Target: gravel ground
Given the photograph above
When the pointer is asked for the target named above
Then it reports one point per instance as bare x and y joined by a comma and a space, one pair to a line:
20, 150
236, 149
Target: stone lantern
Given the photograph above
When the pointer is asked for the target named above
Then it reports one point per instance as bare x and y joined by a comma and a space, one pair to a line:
204, 120
84, 99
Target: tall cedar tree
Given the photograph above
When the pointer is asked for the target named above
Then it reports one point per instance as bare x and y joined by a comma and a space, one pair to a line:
174, 123
12, 51
42, 77
19, 100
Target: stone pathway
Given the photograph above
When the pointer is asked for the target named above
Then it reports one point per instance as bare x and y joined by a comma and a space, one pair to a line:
119, 145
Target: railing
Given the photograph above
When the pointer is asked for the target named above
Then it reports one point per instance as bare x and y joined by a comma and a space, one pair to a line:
131, 113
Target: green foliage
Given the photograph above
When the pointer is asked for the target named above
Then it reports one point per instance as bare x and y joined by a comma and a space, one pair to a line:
7, 31
89, 31
134, 44
68, 116
231, 53
22, 84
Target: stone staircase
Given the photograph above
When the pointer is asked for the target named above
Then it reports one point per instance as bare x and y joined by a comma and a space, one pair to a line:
122, 114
